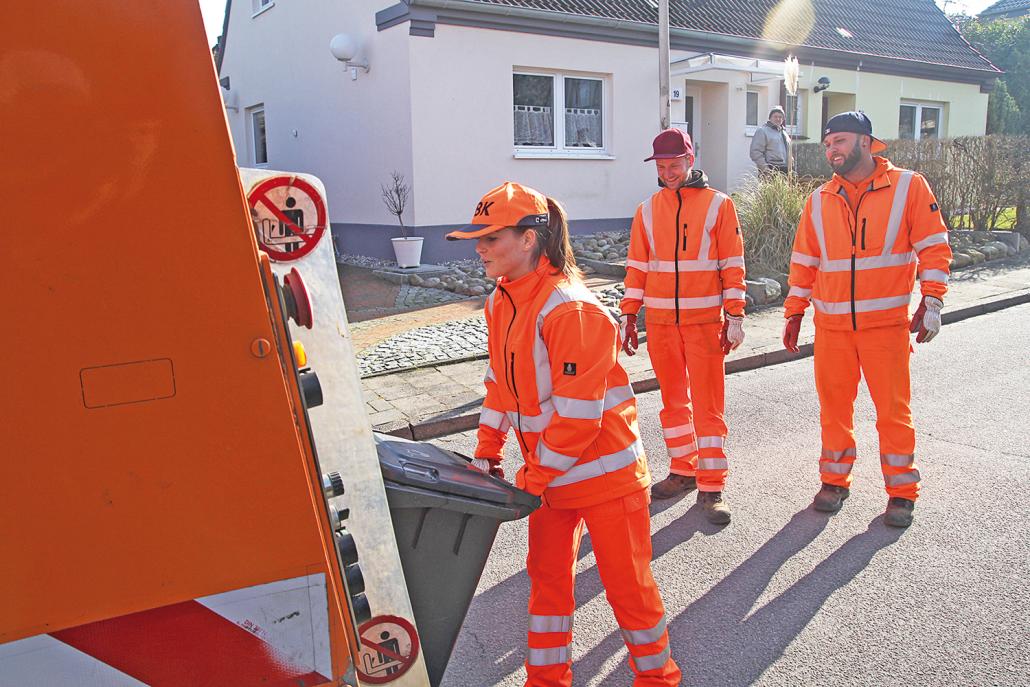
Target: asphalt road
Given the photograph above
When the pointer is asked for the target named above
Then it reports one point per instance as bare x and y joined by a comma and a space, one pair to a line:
788, 596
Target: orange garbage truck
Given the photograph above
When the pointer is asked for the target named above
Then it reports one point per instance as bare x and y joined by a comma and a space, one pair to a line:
168, 514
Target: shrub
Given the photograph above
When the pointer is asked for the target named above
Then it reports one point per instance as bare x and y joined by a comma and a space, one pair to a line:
769, 207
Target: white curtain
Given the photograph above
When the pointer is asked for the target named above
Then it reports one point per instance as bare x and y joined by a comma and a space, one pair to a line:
534, 126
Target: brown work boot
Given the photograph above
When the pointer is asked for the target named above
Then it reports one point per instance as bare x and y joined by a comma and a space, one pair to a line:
715, 508
899, 512
830, 498
673, 485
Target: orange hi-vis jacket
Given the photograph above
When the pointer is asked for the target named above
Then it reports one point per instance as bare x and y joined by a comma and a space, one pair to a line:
554, 377
858, 267
686, 256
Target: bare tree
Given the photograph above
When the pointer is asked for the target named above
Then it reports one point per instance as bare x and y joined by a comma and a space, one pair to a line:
395, 198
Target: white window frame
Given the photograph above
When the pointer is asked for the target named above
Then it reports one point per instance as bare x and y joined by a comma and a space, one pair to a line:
917, 134
559, 150
252, 142
750, 129
261, 6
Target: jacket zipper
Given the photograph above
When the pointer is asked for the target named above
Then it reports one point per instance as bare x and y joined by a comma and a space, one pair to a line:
854, 228
863, 233
509, 370
679, 205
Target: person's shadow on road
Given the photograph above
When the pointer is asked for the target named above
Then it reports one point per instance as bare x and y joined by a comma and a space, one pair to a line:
718, 640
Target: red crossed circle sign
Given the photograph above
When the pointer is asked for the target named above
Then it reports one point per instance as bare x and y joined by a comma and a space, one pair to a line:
389, 647
289, 217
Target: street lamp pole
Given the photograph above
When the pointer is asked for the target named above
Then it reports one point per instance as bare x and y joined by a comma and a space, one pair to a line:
664, 113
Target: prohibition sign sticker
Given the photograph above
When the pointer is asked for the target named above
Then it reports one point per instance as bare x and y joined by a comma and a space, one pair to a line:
389, 647
289, 217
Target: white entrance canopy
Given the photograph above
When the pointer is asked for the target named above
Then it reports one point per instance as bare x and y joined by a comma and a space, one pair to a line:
758, 70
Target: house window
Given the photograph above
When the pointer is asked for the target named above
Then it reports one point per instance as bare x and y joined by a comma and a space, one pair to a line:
752, 108
916, 121
792, 109
558, 113
259, 6
256, 125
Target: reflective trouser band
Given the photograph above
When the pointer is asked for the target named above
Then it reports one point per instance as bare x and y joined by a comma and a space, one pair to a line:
898, 460
647, 636
710, 442
550, 623
652, 661
682, 451
678, 431
835, 468
712, 464
910, 477
837, 455
548, 657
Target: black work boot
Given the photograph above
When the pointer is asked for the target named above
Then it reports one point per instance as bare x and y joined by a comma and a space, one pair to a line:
673, 485
899, 512
715, 508
830, 498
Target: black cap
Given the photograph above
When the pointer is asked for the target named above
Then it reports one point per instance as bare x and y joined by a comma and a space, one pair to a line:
854, 123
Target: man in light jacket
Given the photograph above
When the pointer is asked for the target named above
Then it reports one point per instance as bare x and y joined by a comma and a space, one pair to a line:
770, 146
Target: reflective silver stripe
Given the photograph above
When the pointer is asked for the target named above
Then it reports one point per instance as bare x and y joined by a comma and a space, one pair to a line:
652, 661
732, 261
799, 292
706, 235
897, 211
837, 455
817, 222
578, 408
533, 423
550, 458
490, 300
904, 478
636, 294
678, 431
617, 396
681, 451
870, 305
550, 623
931, 240
806, 260
685, 303
898, 460
732, 293
683, 265
710, 442
637, 265
494, 418
646, 216
835, 468
602, 465
647, 636
874, 263
934, 275
489, 376
712, 464
547, 657
563, 293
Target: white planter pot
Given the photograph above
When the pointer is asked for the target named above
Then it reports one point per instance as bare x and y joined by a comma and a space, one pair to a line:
408, 251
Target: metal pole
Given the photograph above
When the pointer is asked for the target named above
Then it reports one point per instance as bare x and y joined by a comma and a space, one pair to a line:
664, 113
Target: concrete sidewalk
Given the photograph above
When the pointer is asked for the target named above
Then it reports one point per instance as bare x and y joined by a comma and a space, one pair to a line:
437, 400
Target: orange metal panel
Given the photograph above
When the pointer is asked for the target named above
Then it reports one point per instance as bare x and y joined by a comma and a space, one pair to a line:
148, 455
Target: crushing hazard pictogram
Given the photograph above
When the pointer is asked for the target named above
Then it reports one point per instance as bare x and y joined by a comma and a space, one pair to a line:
389, 647
289, 217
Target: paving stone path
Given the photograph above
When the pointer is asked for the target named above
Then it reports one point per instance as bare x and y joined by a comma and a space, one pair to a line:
457, 340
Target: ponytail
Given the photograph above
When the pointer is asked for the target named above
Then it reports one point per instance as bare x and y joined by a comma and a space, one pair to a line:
555, 244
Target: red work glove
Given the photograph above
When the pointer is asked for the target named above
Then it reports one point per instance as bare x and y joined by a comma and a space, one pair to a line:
491, 468
629, 334
791, 331
732, 332
927, 320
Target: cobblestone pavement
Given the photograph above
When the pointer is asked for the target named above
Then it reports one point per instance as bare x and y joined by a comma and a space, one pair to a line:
458, 340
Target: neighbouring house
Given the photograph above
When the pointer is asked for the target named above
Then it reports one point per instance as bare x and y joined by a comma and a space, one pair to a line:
1006, 9
460, 95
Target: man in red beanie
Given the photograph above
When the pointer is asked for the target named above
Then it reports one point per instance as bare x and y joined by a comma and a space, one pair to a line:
686, 264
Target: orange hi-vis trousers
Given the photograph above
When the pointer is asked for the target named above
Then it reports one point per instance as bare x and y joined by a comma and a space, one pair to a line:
620, 532
689, 364
882, 355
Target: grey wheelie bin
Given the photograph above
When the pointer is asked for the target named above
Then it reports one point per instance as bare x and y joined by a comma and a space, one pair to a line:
445, 515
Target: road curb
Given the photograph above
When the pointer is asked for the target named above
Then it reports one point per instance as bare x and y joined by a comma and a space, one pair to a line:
432, 429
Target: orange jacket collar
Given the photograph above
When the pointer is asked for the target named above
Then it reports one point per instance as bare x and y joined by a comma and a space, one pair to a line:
881, 177
528, 284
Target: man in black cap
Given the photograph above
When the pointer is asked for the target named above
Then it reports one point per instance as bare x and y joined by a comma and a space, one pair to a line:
863, 237
770, 146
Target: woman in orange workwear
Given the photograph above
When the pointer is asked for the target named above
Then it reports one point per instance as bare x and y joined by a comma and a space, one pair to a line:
554, 378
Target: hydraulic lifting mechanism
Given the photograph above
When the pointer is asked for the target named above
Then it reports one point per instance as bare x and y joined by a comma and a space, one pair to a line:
170, 512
